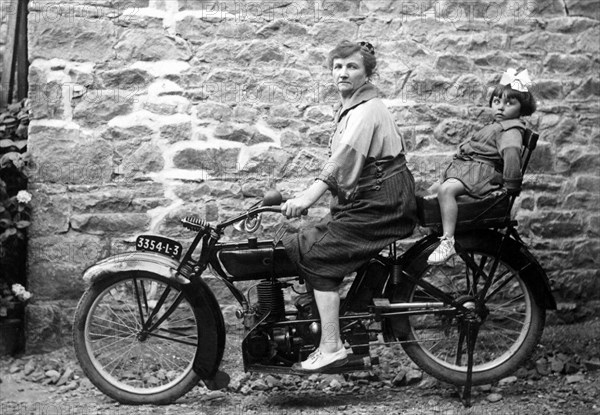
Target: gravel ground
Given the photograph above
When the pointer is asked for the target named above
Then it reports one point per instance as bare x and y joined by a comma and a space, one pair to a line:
563, 377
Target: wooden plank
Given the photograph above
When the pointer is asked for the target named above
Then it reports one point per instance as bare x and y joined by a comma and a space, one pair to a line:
9, 61
22, 62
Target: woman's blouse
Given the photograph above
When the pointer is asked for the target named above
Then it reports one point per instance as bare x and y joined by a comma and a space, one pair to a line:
365, 129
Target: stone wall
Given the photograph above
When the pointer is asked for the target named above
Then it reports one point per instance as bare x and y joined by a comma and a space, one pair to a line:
146, 111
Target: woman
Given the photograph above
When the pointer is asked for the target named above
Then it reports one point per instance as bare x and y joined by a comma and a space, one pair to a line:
373, 191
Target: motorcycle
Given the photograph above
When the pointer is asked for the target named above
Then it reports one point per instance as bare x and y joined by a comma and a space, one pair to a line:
148, 328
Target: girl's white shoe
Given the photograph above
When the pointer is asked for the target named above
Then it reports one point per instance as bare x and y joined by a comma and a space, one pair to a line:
443, 252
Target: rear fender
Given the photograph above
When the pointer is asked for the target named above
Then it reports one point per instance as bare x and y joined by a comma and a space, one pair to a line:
514, 252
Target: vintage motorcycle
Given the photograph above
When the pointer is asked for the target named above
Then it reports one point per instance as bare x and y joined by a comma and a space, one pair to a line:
148, 328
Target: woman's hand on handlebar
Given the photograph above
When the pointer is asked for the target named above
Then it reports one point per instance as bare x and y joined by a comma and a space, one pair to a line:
295, 207
298, 205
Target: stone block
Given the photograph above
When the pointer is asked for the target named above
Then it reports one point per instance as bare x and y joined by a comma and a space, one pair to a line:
176, 128
547, 89
218, 162
588, 183
60, 155
267, 164
50, 210
454, 63
543, 42
282, 27
213, 110
574, 65
542, 159
583, 254
125, 198
571, 24
585, 8
588, 89
453, 131
557, 224
46, 96
241, 134
128, 133
578, 159
109, 223
307, 163
99, 106
72, 38
55, 264
145, 159
582, 200
167, 105
259, 52
48, 325
149, 45
329, 33
575, 284
291, 139
124, 78
319, 135
544, 201
428, 167
593, 225
586, 42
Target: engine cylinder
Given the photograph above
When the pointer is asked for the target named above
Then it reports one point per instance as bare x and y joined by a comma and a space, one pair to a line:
270, 298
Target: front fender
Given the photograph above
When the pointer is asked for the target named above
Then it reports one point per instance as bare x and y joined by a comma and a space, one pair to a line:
135, 261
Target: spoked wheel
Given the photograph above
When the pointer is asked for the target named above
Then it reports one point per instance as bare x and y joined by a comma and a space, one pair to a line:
137, 336
510, 321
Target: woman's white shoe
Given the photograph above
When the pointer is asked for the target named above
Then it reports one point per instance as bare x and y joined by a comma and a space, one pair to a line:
317, 361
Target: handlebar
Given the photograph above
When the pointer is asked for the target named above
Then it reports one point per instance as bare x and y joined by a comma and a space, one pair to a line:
271, 199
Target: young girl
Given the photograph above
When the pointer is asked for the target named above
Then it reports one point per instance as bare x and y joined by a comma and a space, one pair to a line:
488, 160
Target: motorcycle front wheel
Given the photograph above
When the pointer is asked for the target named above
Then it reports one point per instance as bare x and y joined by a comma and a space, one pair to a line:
137, 335
511, 325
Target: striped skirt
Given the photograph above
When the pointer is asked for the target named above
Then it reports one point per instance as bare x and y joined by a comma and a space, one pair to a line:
382, 211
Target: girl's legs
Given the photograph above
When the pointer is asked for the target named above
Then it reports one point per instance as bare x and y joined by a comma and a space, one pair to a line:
447, 194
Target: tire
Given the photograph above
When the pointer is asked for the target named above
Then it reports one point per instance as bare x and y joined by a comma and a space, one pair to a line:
507, 335
127, 365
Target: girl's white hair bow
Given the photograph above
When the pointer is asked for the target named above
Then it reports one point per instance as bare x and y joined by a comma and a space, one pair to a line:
518, 81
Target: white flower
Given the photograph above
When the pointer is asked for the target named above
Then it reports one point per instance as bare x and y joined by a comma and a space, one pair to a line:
20, 292
23, 197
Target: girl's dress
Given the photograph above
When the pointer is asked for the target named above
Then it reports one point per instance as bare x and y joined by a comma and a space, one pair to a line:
485, 162
373, 204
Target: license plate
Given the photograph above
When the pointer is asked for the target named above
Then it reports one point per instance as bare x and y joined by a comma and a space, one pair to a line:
159, 244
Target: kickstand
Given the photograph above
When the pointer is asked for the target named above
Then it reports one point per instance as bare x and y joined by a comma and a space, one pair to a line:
472, 329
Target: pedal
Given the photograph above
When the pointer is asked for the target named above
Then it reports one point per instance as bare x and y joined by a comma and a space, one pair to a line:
381, 302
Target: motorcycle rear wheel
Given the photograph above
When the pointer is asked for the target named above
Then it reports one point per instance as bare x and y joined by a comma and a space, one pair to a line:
507, 336
128, 364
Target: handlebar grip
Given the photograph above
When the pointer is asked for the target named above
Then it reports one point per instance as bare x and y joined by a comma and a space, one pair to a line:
194, 223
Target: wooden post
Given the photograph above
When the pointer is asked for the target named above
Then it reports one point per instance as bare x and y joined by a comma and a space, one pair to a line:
22, 58
11, 7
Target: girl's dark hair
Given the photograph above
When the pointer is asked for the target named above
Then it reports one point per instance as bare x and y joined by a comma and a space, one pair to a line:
526, 99
346, 48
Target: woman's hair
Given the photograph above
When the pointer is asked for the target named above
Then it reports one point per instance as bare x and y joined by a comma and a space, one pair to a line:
526, 99
346, 48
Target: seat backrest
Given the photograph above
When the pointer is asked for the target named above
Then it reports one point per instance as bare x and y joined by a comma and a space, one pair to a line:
530, 139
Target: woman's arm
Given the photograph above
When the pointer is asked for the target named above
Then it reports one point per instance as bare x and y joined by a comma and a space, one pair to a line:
294, 207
